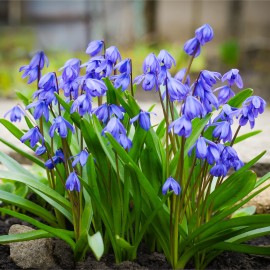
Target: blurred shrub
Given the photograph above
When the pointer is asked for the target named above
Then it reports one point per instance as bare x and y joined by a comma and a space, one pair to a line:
230, 53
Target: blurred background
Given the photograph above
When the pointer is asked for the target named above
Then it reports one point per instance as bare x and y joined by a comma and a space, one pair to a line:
63, 29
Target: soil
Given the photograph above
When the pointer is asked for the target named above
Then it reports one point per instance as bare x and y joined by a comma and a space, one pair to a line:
145, 260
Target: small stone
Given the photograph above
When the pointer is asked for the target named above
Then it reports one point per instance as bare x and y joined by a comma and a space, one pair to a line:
31, 254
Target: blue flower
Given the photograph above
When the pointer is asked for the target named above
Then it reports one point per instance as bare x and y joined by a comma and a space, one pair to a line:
176, 89
151, 64
115, 127
95, 88
95, 47
33, 135
204, 34
73, 182
230, 159
40, 150
61, 125
233, 77
83, 103
112, 54
57, 159
121, 80
81, 158
201, 148
223, 131
48, 81
192, 47
252, 106
213, 153
36, 64
180, 76
71, 70
124, 141
166, 59
124, 66
149, 81
71, 88
192, 108
219, 170
41, 108
92, 64
210, 77
171, 184
181, 126
15, 114
105, 68
104, 111
225, 93
144, 120
227, 113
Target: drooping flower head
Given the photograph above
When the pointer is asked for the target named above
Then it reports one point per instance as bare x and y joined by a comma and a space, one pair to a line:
95, 47
73, 182
105, 111
144, 120
36, 64
233, 77
80, 158
94, 87
181, 126
71, 70
225, 93
166, 59
192, 47
151, 64
112, 54
180, 76
61, 125
204, 34
192, 108
41, 108
57, 159
83, 103
171, 184
15, 114
33, 136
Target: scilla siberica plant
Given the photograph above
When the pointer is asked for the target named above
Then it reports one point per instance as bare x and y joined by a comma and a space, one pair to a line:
113, 181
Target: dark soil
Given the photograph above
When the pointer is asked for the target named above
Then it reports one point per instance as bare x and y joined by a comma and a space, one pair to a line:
145, 260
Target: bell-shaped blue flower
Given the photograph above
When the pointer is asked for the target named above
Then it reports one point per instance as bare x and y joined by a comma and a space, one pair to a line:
95, 47
57, 159
47, 81
80, 158
71, 70
204, 34
192, 47
225, 93
181, 126
40, 150
233, 77
115, 127
95, 88
15, 114
192, 108
210, 77
104, 111
61, 125
223, 131
124, 141
36, 64
112, 54
219, 170
171, 184
144, 120
83, 103
121, 80
73, 182
166, 59
33, 136
41, 108
176, 89
151, 64
124, 66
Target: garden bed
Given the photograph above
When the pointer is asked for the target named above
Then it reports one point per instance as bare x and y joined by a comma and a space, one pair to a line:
145, 260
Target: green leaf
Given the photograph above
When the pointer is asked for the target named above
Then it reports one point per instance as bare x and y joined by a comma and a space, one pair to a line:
59, 233
239, 98
123, 243
95, 242
23, 98
28, 205
33, 183
232, 190
246, 136
26, 236
245, 211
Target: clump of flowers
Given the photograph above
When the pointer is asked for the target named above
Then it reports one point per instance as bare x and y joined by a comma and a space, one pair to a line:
115, 179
